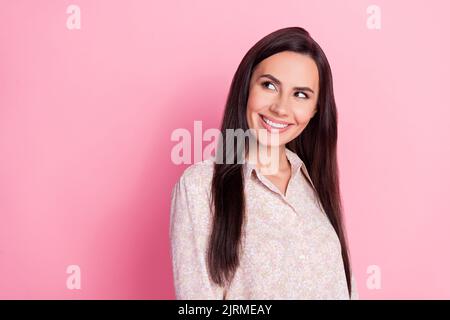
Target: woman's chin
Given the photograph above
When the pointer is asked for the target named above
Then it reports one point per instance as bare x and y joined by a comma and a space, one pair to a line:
268, 143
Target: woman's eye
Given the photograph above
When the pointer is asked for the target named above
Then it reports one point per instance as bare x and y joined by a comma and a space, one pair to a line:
267, 84
303, 95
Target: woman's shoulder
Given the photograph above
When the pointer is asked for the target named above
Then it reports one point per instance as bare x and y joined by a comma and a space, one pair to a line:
199, 172
193, 188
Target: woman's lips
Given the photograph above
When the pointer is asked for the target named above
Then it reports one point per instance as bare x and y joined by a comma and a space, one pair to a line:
272, 129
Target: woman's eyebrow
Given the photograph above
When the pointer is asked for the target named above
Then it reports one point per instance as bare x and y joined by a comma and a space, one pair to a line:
278, 82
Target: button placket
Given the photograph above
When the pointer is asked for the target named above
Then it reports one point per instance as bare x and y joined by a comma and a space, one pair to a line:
266, 182
289, 189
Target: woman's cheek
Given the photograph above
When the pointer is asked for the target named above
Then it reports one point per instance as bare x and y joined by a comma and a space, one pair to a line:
305, 113
263, 101
256, 103
301, 117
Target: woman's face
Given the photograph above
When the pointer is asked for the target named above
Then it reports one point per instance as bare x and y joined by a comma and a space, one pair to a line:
283, 95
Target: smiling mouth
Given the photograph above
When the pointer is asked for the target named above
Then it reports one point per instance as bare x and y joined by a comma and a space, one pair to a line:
273, 124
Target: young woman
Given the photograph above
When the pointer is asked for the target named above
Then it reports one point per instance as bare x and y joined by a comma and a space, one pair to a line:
240, 232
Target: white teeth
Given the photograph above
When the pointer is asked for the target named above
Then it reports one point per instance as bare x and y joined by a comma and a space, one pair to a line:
273, 124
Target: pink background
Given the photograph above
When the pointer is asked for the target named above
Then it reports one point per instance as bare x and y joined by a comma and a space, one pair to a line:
86, 118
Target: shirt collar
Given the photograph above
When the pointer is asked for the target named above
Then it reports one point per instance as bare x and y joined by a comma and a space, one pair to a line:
293, 158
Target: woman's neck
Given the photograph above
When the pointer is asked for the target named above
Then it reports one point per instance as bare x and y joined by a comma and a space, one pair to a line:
269, 160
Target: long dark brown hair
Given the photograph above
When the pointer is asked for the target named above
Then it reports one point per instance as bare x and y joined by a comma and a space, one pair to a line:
316, 146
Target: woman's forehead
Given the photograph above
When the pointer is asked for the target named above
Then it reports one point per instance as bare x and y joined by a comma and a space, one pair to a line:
292, 69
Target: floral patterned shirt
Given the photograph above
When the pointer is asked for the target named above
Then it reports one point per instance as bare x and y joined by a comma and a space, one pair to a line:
290, 249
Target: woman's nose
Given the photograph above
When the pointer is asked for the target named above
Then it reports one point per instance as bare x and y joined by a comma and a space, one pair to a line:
280, 107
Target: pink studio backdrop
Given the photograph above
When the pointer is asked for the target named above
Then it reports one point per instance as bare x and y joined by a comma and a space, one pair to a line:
86, 117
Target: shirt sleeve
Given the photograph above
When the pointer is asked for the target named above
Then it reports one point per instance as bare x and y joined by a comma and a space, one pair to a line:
354, 293
189, 220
